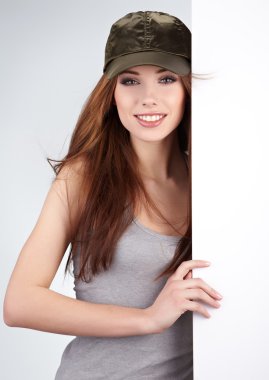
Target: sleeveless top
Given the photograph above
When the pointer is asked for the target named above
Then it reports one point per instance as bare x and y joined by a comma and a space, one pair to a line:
140, 255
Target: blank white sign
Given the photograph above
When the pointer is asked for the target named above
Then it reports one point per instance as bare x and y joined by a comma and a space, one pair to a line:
231, 186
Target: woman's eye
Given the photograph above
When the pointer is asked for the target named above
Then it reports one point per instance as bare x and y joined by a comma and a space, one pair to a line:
169, 79
128, 81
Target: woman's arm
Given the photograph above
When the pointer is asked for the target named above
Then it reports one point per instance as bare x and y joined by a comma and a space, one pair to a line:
39, 308
29, 302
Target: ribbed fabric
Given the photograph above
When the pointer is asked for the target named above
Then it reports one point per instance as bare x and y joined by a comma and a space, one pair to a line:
141, 254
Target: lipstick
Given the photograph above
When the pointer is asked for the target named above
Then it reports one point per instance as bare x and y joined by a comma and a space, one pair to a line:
150, 120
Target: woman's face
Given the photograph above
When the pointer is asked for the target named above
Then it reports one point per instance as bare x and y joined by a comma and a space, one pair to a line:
150, 101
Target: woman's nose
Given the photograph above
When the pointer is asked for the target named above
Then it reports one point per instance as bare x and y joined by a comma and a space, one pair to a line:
149, 98
149, 102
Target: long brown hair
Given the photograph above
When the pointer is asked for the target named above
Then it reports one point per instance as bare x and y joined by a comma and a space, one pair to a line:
112, 187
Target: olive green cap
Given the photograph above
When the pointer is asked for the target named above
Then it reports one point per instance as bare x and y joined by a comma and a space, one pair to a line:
148, 38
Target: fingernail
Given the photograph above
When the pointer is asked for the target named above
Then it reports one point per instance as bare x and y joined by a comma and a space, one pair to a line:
218, 295
207, 262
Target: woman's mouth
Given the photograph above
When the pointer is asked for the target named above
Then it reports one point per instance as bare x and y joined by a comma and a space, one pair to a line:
150, 120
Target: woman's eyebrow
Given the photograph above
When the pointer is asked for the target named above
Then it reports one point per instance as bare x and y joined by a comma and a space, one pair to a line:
161, 70
129, 72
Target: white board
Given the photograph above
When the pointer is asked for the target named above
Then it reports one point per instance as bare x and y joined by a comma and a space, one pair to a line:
231, 186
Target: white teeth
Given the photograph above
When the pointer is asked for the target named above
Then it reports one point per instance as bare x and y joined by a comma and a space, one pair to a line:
150, 118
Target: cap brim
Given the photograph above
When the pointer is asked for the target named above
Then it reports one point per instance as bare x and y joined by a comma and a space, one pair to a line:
176, 63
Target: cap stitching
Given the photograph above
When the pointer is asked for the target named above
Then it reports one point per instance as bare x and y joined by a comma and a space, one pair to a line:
147, 30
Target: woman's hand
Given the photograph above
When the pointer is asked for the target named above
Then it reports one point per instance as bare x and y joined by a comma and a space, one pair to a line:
180, 294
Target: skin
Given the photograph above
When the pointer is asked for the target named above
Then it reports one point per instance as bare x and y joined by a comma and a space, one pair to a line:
151, 91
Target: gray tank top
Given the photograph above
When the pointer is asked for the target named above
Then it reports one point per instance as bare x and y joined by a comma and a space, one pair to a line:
141, 254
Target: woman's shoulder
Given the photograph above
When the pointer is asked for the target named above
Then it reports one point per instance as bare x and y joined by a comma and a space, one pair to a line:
72, 170
69, 184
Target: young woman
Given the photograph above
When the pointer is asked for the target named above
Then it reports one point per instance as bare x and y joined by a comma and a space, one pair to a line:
122, 199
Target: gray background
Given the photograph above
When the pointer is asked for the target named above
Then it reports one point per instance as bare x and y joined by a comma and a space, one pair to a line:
52, 55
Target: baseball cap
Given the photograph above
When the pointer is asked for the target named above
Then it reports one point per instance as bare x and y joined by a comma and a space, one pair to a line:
147, 37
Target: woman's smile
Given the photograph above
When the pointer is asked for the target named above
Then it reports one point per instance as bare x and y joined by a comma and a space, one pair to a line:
150, 120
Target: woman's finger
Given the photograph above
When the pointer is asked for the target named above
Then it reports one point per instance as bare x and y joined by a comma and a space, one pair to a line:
200, 295
197, 283
196, 307
188, 265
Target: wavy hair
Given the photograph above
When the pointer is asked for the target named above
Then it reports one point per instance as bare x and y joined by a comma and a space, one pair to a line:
112, 188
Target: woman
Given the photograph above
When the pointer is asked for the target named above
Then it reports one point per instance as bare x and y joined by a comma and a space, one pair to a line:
122, 198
